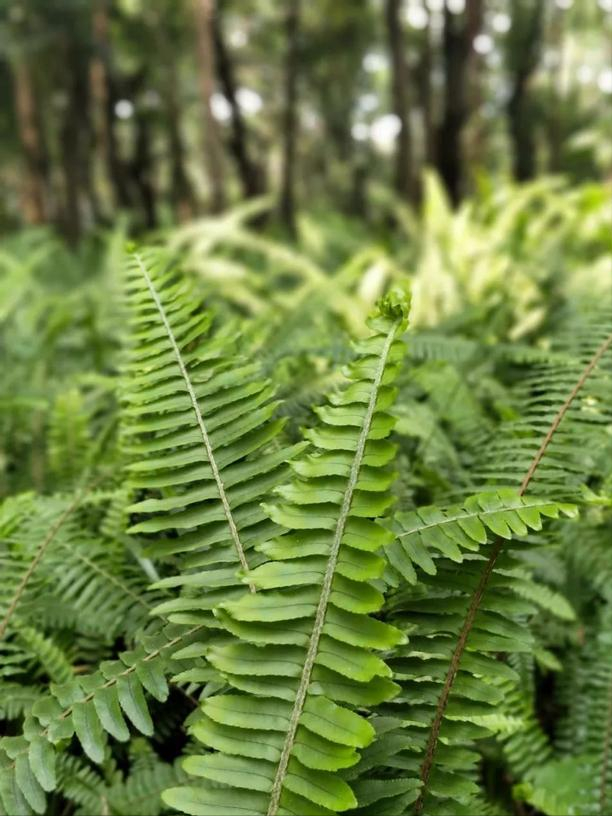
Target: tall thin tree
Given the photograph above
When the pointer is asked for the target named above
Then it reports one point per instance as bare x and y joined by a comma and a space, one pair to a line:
250, 172
404, 173
458, 50
287, 198
34, 190
524, 46
104, 95
204, 11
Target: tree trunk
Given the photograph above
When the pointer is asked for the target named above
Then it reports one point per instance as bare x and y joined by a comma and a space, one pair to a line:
459, 33
104, 95
34, 193
404, 178
426, 96
181, 192
520, 113
80, 201
204, 12
251, 176
141, 168
521, 132
287, 199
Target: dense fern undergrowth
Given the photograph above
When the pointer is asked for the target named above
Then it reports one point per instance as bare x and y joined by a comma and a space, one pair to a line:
316, 529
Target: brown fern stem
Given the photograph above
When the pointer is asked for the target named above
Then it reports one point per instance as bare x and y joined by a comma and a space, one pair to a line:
481, 587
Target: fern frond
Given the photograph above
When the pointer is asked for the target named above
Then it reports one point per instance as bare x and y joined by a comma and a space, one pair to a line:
89, 707
581, 443
495, 558
447, 551
458, 529
200, 428
68, 438
40, 534
302, 644
59, 570
50, 657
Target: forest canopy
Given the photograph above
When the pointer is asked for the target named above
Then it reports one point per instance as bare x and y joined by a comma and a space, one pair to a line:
165, 110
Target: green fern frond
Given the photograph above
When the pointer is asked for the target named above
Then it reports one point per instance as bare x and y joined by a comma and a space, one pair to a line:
582, 444
90, 707
302, 643
447, 551
200, 431
51, 658
68, 438
458, 529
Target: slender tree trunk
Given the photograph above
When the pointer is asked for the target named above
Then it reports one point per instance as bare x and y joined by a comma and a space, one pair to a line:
287, 199
251, 176
426, 96
556, 39
521, 132
519, 109
359, 193
204, 11
104, 96
71, 165
99, 90
80, 202
459, 33
141, 168
34, 193
182, 191
404, 177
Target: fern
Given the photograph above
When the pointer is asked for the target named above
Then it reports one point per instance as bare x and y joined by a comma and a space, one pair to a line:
301, 643
495, 559
68, 438
199, 423
399, 626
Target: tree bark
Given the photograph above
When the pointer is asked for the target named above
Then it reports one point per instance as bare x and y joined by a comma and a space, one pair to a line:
459, 33
80, 197
105, 95
521, 132
141, 168
404, 176
204, 11
526, 53
34, 192
426, 96
287, 198
251, 175
182, 192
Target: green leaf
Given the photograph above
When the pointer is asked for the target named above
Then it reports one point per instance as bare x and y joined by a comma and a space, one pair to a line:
29, 785
107, 707
89, 730
132, 701
42, 762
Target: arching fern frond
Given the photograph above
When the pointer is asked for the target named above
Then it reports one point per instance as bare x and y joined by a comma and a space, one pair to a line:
440, 555
199, 429
581, 445
467, 637
68, 438
301, 658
